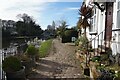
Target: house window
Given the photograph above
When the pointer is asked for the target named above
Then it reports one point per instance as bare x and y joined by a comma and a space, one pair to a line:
93, 22
118, 14
91, 25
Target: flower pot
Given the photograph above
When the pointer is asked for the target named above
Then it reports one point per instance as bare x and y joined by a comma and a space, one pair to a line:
28, 66
33, 64
18, 75
33, 61
87, 71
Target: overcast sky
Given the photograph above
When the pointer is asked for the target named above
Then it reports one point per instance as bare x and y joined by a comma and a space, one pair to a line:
43, 11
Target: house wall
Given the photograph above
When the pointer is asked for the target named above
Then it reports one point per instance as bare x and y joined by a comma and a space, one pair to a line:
100, 24
115, 44
98, 27
0, 64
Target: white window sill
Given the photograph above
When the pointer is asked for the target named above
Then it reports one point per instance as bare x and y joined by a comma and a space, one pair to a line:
93, 33
116, 29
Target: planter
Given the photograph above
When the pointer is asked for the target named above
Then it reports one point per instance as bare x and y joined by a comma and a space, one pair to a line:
33, 61
18, 75
87, 71
28, 66
37, 58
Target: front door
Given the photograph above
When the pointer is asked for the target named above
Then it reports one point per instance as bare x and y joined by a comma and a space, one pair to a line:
108, 21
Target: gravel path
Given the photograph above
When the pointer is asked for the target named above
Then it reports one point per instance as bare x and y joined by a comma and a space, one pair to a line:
60, 63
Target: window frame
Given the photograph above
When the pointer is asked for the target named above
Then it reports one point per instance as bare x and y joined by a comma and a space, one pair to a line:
93, 21
118, 10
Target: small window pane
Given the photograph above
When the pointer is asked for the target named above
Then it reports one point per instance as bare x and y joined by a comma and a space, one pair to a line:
91, 28
118, 19
95, 11
119, 5
94, 19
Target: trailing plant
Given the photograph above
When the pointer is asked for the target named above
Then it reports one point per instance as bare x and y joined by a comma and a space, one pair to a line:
11, 64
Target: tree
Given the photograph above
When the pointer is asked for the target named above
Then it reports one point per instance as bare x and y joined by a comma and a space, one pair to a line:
26, 26
25, 18
62, 27
5, 33
86, 13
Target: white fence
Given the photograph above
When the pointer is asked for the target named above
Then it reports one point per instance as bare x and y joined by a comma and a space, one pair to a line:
5, 53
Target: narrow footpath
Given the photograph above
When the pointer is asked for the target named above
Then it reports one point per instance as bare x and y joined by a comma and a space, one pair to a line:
60, 63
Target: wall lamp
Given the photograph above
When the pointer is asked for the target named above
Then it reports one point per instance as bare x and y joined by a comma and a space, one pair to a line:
101, 7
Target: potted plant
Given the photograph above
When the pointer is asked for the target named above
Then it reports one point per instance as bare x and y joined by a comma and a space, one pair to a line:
37, 56
32, 52
27, 62
13, 68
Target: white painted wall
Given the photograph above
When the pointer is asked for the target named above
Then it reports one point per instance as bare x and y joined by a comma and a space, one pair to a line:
100, 26
0, 64
115, 34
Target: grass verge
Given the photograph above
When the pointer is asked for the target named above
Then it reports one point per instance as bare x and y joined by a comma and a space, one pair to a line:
45, 47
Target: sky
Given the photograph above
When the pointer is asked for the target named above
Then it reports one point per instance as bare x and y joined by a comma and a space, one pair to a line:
43, 11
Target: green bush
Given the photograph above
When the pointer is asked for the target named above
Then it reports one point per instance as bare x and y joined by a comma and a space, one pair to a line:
118, 74
31, 50
11, 64
66, 39
104, 57
101, 67
83, 40
77, 42
83, 43
68, 34
96, 58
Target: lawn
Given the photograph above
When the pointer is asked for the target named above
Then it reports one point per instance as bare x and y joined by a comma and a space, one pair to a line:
45, 48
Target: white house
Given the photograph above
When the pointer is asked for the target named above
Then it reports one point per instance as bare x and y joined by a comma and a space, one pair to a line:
105, 24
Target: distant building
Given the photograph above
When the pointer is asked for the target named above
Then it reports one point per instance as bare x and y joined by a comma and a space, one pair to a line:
50, 27
49, 32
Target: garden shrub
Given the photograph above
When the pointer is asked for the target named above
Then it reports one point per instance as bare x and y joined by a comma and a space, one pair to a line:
83, 43
104, 57
11, 64
96, 58
66, 39
77, 42
68, 34
31, 50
